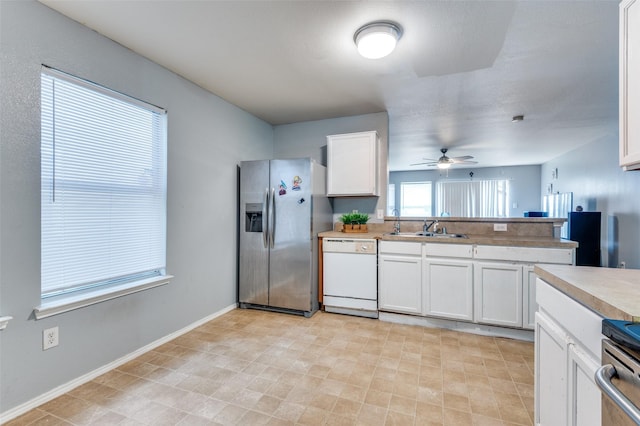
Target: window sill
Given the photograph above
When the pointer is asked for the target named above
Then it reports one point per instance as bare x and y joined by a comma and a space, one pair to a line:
66, 303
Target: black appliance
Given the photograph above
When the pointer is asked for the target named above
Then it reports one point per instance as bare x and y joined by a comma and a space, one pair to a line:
584, 228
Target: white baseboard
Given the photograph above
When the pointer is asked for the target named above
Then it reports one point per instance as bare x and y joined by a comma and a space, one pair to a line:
64, 388
467, 327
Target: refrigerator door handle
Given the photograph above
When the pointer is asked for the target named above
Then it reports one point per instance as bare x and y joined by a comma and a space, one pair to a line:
272, 217
265, 219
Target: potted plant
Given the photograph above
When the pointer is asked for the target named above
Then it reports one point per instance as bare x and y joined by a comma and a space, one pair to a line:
354, 222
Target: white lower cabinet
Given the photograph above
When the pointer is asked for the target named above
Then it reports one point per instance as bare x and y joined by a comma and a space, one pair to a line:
505, 294
567, 354
584, 395
505, 291
400, 277
490, 285
498, 293
551, 377
448, 288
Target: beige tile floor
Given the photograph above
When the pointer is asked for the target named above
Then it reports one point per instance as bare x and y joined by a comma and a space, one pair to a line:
251, 367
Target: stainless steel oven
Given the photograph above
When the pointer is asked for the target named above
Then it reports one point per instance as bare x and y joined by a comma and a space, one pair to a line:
619, 375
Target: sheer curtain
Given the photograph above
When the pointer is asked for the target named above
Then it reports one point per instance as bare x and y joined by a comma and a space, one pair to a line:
482, 198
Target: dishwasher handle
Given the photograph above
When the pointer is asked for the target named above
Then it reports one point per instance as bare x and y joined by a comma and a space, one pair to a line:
603, 378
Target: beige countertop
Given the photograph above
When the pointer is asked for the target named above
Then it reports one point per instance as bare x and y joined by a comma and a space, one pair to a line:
514, 241
613, 293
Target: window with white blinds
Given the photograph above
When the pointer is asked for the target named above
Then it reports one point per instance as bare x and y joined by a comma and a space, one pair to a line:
482, 198
415, 199
103, 175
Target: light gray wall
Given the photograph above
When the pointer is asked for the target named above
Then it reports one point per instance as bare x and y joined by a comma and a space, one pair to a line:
524, 183
207, 138
309, 139
592, 173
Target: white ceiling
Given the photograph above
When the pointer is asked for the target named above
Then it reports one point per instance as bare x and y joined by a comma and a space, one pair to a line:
460, 72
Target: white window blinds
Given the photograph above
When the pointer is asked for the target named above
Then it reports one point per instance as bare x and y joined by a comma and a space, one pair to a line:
483, 198
103, 175
415, 199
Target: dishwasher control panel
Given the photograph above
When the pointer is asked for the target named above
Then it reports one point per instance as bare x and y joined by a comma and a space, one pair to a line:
340, 245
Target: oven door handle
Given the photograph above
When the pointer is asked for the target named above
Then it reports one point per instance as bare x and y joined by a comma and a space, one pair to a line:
603, 378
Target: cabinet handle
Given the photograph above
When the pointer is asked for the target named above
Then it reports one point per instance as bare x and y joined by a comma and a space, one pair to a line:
603, 378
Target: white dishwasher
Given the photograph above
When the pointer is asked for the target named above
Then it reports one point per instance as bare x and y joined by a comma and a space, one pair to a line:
350, 276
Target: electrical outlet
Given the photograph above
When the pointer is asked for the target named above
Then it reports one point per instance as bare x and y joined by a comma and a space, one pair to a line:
499, 226
380, 214
49, 338
354, 211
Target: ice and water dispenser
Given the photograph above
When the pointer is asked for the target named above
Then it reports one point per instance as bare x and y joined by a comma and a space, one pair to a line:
253, 217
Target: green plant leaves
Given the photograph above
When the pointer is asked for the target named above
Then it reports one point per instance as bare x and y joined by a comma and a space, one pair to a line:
354, 218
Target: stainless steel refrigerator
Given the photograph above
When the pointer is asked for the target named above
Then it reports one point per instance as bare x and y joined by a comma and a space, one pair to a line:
283, 206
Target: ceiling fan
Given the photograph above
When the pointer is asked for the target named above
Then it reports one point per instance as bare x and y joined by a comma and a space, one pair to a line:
445, 162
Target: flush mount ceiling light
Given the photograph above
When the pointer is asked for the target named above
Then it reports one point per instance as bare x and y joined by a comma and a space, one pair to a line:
377, 39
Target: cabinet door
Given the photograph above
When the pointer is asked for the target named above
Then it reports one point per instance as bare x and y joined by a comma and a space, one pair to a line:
399, 284
448, 288
584, 397
352, 164
629, 84
498, 294
550, 373
529, 305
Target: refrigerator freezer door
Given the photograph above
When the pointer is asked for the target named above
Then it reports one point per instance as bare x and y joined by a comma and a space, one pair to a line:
290, 257
254, 252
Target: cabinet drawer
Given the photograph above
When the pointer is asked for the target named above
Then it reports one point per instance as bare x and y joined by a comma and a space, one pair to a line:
448, 250
581, 323
525, 254
400, 247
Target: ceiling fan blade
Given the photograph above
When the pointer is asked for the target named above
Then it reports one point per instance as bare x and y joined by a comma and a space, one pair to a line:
464, 157
444, 160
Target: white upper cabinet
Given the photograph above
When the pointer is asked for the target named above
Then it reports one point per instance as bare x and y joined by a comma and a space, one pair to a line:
629, 84
352, 164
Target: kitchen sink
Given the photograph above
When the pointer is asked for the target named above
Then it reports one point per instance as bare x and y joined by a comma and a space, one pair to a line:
425, 234
445, 235
406, 234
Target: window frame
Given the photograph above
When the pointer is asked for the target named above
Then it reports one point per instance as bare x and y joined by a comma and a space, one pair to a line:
76, 296
427, 207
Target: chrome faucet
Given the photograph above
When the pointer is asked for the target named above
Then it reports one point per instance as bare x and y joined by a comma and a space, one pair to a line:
396, 226
425, 227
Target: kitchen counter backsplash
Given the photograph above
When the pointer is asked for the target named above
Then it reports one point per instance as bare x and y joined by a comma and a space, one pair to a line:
516, 227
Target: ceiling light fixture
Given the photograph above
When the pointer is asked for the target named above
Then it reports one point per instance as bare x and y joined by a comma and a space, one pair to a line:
444, 165
377, 39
